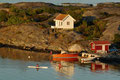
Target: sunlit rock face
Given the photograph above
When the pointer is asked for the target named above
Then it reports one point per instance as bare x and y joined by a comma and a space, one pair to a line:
112, 28
29, 36
75, 47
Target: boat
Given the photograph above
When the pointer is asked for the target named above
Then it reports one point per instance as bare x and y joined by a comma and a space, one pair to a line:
42, 67
65, 59
87, 57
65, 54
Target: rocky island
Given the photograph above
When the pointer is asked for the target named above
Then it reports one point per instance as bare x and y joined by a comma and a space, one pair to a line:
27, 25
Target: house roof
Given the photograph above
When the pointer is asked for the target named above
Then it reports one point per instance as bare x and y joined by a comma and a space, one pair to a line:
101, 42
61, 16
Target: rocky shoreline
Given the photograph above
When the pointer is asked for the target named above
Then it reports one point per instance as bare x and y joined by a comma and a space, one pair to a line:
28, 48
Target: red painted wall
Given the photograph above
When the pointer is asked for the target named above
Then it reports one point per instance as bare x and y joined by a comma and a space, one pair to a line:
98, 47
106, 47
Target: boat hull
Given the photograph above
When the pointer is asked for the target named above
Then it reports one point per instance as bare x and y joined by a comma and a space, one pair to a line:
65, 55
65, 59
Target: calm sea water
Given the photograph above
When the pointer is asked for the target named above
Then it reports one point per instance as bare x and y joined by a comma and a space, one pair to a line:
16, 69
62, 1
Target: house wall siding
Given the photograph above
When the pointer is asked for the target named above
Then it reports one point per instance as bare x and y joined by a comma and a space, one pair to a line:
70, 20
58, 23
98, 47
107, 48
64, 23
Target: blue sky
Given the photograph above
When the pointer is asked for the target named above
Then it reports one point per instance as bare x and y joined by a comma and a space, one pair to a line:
61, 1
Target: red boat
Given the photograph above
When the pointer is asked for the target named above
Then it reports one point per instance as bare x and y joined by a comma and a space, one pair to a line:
65, 55
65, 59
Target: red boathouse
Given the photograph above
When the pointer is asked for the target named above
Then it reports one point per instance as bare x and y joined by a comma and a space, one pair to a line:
100, 46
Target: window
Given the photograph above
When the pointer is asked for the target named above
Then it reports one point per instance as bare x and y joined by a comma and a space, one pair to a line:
61, 23
93, 46
68, 23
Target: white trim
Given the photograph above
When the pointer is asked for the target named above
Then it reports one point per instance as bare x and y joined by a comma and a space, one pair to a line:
103, 47
102, 44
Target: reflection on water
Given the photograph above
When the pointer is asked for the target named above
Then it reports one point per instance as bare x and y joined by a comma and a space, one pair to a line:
98, 66
17, 54
14, 66
66, 68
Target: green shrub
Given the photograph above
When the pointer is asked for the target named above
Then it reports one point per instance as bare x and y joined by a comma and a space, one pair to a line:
15, 20
38, 11
117, 40
91, 31
3, 15
14, 9
49, 10
39, 18
30, 12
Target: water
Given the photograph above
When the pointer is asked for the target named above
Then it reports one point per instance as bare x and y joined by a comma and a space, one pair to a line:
16, 69
61, 1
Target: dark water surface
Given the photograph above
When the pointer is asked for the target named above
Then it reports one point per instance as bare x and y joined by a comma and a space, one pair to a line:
62, 1
16, 69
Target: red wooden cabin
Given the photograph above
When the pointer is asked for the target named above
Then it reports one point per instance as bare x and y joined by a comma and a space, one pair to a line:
100, 46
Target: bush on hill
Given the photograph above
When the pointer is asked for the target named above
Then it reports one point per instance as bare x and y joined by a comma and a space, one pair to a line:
3, 15
91, 31
117, 40
14, 20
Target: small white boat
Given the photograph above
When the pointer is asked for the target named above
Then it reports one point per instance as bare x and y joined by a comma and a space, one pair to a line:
87, 57
42, 67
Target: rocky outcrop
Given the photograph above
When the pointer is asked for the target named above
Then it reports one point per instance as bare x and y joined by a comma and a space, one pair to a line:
76, 4
109, 4
113, 24
33, 4
38, 38
75, 47
109, 12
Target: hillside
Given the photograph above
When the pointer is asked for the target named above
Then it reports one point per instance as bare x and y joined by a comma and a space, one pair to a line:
109, 12
27, 24
39, 38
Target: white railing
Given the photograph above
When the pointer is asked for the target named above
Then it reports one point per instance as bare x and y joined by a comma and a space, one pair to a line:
52, 26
